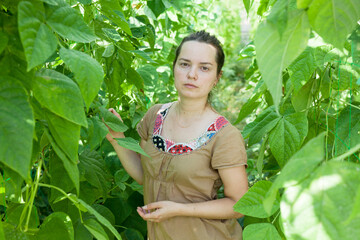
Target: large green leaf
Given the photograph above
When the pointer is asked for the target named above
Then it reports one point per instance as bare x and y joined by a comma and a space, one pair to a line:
13, 185
13, 233
60, 176
88, 72
248, 4
13, 215
306, 159
16, 127
96, 229
319, 207
346, 77
264, 123
135, 78
38, 40
334, 20
302, 99
156, 6
92, 167
96, 132
113, 11
3, 41
112, 121
70, 167
66, 134
286, 138
347, 130
259, 231
131, 144
248, 107
251, 204
60, 95
275, 52
57, 225
100, 218
68, 22
302, 68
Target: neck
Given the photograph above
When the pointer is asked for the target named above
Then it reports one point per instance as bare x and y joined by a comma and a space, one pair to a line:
191, 108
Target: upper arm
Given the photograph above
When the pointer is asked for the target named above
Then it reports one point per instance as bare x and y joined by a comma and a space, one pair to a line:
235, 181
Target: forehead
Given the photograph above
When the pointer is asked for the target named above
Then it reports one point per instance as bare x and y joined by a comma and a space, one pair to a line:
198, 52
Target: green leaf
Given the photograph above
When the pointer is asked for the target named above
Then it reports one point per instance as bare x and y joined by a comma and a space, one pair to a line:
286, 138
347, 130
15, 115
13, 185
334, 20
149, 74
60, 176
302, 99
38, 40
143, 55
96, 229
3, 41
251, 204
96, 132
248, 4
112, 34
109, 51
88, 72
264, 123
133, 234
13, 233
2, 234
92, 166
121, 176
319, 207
70, 167
113, 11
57, 225
66, 135
134, 77
347, 76
306, 159
131, 144
248, 108
157, 7
60, 95
68, 22
302, 68
261, 231
100, 218
13, 215
274, 53
112, 121
303, 3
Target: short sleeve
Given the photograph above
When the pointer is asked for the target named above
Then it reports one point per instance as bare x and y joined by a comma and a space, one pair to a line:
228, 149
145, 123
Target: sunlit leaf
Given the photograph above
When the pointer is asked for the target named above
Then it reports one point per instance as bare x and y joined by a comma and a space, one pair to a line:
334, 20
251, 204
38, 40
113, 11
306, 159
57, 225
319, 207
96, 229
68, 22
261, 231
88, 72
275, 52
131, 144
286, 138
60, 95
112, 121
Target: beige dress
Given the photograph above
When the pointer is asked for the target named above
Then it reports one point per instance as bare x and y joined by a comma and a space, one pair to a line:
187, 173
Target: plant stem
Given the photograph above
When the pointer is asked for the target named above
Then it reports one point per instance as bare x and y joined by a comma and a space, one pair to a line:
277, 215
33, 192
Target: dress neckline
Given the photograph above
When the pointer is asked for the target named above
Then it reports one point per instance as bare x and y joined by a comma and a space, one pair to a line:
176, 148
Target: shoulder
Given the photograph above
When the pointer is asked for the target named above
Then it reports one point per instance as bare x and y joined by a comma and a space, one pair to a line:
229, 134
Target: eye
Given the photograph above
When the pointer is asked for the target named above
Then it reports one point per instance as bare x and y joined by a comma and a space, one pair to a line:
184, 64
205, 69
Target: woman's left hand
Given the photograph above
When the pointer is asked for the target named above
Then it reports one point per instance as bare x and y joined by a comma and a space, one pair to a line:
159, 211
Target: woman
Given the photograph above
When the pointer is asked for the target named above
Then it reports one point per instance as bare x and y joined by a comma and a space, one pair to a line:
193, 151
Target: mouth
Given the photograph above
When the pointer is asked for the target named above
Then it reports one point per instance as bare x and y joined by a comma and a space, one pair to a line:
188, 85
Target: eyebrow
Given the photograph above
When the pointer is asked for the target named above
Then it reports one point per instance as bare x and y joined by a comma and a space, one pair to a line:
187, 60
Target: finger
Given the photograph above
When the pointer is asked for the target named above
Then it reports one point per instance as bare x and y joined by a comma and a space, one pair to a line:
153, 205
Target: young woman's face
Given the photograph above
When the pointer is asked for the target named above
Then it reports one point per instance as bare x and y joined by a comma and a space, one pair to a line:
195, 70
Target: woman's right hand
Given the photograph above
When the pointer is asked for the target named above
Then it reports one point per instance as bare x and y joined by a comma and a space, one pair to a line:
112, 134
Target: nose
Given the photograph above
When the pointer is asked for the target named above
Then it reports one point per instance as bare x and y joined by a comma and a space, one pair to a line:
192, 74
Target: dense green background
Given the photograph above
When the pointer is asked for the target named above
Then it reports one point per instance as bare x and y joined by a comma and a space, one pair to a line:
290, 84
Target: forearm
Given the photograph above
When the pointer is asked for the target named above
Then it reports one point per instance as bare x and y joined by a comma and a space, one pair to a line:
130, 160
215, 209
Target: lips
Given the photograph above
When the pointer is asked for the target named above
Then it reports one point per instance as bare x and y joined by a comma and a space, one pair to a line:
188, 85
